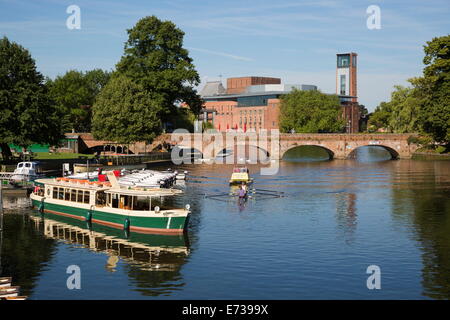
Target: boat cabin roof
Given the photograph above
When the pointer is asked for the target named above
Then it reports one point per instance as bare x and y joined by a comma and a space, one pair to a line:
27, 164
106, 187
74, 183
146, 192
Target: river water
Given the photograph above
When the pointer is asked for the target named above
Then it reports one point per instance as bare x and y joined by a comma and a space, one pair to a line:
333, 220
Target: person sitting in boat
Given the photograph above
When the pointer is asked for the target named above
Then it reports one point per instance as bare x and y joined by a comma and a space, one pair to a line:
242, 193
244, 187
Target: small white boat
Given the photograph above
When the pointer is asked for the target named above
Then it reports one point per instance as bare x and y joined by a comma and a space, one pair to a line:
26, 171
148, 178
181, 176
16, 298
84, 175
5, 282
135, 178
9, 292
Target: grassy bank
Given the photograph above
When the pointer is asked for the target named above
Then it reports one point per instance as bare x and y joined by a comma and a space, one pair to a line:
50, 156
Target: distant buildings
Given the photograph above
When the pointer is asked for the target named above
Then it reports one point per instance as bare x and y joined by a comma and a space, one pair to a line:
252, 103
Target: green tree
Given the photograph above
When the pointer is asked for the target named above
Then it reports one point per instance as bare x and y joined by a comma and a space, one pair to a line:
400, 114
27, 114
435, 87
125, 112
379, 119
310, 112
364, 117
155, 58
405, 104
74, 94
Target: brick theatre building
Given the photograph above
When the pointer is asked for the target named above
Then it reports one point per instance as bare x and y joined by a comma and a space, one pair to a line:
253, 103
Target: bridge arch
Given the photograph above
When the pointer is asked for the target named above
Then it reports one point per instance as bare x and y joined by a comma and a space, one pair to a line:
186, 151
328, 151
393, 153
246, 151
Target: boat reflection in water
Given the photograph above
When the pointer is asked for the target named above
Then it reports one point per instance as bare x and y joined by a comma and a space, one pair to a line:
12, 203
150, 252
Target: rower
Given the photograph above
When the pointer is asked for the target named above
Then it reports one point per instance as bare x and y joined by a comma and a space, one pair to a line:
244, 187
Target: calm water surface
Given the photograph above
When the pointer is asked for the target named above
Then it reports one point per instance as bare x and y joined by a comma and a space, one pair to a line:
316, 242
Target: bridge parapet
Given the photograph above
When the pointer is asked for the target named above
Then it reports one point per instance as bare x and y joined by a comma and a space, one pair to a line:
338, 145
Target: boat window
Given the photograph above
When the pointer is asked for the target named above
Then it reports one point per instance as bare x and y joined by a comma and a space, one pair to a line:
27, 165
141, 203
108, 199
67, 194
100, 198
61, 193
55, 193
80, 196
73, 195
20, 165
86, 197
115, 201
162, 203
125, 202
49, 191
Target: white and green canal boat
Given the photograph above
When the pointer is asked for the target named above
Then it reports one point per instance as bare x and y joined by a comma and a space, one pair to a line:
142, 210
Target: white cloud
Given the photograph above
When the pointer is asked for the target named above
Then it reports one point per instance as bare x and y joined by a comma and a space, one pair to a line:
218, 53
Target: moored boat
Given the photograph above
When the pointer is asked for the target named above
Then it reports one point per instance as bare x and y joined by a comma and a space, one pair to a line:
142, 210
5, 282
6, 292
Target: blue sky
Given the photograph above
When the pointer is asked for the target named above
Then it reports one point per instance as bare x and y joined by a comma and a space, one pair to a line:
294, 40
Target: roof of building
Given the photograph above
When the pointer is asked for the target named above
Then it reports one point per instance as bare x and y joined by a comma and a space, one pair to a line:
246, 94
213, 88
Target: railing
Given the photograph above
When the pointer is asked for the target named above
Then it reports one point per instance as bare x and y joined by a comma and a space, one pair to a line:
135, 158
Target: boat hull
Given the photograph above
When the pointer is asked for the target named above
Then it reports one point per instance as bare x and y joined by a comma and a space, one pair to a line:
151, 225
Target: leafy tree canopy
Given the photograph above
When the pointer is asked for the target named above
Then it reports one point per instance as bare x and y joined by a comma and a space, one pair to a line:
424, 107
435, 88
400, 114
125, 112
74, 94
27, 115
155, 58
310, 112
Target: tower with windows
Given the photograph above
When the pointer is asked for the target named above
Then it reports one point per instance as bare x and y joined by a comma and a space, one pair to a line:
346, 76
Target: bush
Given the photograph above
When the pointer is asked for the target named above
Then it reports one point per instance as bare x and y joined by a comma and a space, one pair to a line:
440, 149
424, 140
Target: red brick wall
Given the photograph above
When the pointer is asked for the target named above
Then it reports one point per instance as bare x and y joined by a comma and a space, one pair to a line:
225, 114
228, 115
238, 85
351, 113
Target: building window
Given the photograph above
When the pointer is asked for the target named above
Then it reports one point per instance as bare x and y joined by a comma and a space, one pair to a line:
343, 61
342, 83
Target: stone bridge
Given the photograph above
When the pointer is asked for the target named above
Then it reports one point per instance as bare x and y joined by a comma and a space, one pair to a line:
337, 145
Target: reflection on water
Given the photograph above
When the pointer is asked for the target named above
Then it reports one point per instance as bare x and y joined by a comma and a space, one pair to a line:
306, 154
14, 202
337, 218
150, 252
370, 154
346, 216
